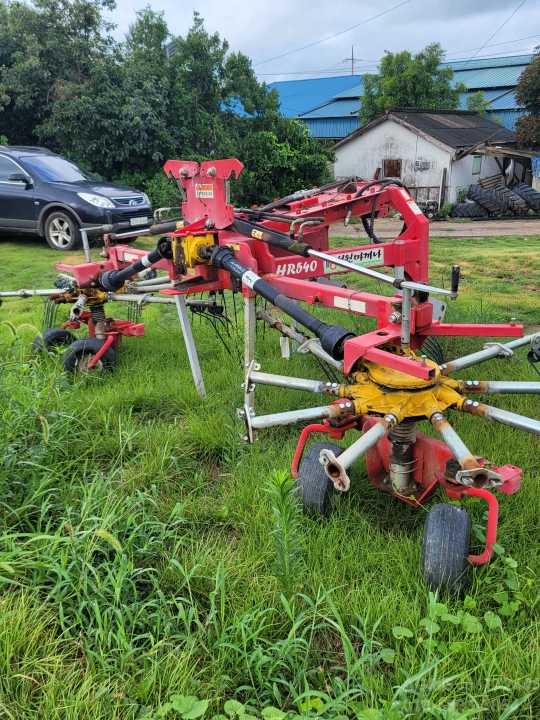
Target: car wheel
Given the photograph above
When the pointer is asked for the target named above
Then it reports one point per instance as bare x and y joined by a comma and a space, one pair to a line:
61, 231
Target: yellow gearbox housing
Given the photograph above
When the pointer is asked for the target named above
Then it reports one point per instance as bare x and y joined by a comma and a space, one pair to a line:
186, 249
380, 390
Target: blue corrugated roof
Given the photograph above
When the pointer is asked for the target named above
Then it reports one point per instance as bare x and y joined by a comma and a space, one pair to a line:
332, 107
336, 108
299, 96
496, 62
489, 77
501, 99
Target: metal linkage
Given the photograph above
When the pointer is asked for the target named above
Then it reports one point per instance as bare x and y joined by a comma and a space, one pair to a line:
491, 350
338, 410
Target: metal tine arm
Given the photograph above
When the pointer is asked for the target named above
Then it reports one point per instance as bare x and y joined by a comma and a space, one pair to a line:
516, 387
293, 383
521, 422
491, 350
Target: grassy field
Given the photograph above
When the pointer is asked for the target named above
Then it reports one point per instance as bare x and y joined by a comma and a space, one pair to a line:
152, 565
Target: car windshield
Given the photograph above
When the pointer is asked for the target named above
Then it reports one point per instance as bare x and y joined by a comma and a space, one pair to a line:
52, 168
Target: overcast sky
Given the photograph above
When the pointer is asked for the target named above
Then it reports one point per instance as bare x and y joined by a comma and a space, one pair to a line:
266, 29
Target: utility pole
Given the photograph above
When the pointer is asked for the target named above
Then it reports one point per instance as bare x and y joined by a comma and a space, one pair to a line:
351, 59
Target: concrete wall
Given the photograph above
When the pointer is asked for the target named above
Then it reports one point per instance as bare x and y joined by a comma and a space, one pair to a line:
392, 141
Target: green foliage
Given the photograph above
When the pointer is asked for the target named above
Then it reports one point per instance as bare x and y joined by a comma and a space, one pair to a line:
477, 102
138, 564
286, 529
121, 109
528, 95
409, 81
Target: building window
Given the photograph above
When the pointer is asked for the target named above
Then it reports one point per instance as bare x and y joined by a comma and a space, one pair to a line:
392, 168
476, 164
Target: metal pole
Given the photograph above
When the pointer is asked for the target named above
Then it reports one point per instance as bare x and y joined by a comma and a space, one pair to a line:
86, 245
142, 298
457, 447
23, 293
515, 387
294, 383
294, 416
406, 318
382, 277
521, 422
305, 345
336, 467
187, 333
491, 351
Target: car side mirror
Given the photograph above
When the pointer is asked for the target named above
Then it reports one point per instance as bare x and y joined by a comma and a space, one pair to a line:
21, 178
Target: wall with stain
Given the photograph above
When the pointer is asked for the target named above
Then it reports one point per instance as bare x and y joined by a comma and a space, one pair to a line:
422, 161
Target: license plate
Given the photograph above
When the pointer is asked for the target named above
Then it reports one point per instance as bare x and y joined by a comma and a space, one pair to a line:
138, 221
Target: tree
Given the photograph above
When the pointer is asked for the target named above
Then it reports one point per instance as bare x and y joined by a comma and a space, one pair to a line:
122, 108
44, 48
477, 102
528, 95
410, 81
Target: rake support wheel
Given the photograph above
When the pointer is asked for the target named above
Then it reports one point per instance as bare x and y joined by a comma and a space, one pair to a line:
445, 548
314, 488
79, 353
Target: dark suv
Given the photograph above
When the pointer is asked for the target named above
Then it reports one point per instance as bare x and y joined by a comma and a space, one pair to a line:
43, 193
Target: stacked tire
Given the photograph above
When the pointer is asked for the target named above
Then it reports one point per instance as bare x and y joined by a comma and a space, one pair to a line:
503, 200
529, 196
468, 210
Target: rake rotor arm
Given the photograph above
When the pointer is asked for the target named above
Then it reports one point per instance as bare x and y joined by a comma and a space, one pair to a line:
491, 387
490, 351
521, 422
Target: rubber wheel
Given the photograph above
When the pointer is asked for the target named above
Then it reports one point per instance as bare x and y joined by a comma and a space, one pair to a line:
314, 488
468, 210
51, 338
61, 231
445, 548
432, 348
488, 199
528, 194
76, 357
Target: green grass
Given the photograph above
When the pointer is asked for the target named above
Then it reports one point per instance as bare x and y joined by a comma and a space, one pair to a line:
147, 553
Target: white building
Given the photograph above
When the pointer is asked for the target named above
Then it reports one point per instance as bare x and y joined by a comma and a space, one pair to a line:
432, 153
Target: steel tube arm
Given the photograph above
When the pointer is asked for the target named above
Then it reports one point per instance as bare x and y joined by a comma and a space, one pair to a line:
293, 383
336, 467
521, 422
486, 354
515, 387
293, 416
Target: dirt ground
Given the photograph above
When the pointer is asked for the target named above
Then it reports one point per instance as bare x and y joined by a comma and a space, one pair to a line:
390, 227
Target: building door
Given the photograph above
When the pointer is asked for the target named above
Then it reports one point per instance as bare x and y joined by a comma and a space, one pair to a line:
392, 168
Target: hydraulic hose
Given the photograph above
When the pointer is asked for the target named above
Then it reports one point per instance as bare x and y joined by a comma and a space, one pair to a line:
113, 280
332, 337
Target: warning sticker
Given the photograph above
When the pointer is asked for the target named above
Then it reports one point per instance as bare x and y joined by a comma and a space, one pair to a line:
204, 190
373, 256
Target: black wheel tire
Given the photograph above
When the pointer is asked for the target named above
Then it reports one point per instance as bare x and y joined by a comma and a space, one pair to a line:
314, 488
445, 548
488, 199
51, 338
432, 348
514, 202
78, 353
62, 231
468, 210
528, 194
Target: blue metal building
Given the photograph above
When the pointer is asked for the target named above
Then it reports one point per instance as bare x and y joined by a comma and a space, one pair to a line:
330, 106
